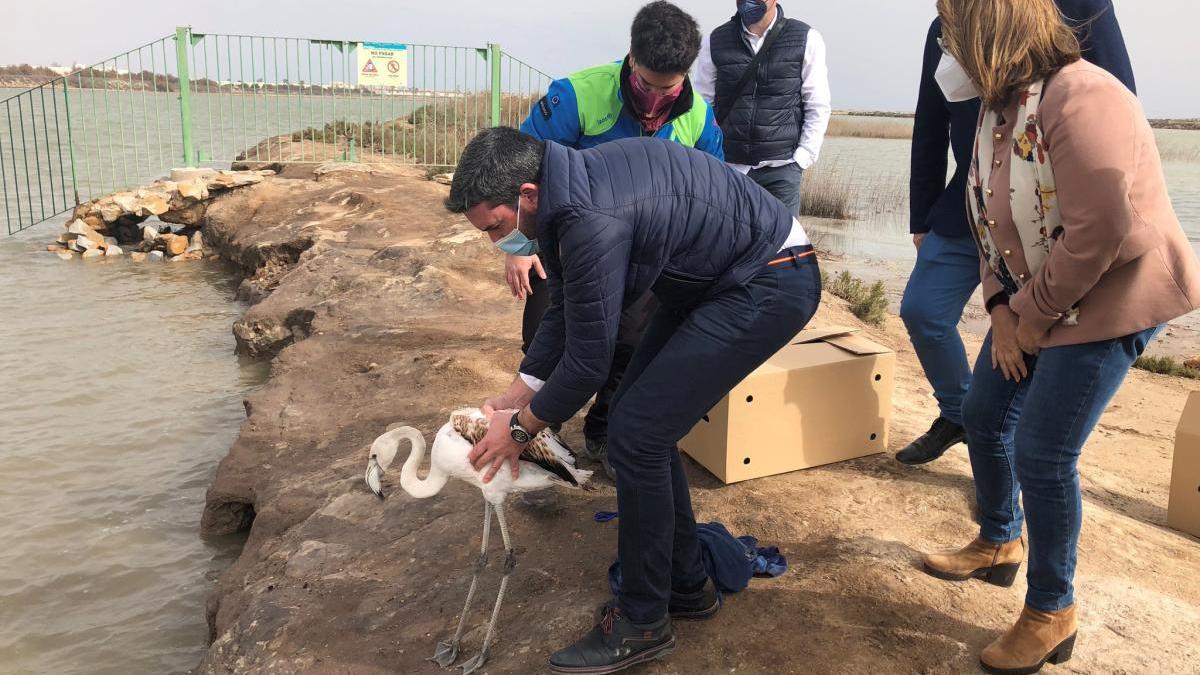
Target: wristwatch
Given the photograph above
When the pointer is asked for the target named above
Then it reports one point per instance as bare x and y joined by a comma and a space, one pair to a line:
519, 433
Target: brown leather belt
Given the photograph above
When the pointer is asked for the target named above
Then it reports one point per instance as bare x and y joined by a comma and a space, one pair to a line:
790, 257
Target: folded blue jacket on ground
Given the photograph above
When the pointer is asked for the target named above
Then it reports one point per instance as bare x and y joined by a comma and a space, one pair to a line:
730, 561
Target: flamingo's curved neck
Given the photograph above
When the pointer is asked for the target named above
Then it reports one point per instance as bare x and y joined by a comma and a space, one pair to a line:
433, 483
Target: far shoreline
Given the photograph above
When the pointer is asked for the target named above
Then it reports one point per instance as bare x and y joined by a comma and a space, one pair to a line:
1183, 123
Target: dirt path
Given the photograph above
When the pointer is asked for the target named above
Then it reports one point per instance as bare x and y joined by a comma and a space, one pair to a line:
379, 308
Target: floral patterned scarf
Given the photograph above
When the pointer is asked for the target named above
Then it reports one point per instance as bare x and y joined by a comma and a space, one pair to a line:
1032, 196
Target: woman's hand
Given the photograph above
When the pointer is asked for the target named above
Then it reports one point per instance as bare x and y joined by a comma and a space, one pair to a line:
1028, 338
1006, 352
497, 447
516, 273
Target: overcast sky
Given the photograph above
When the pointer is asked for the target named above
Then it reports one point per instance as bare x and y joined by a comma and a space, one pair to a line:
874, 45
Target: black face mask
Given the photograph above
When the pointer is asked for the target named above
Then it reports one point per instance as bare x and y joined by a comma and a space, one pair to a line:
751, 11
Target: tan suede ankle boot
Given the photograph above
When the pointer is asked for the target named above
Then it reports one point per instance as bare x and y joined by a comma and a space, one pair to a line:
1036, 639
994, 563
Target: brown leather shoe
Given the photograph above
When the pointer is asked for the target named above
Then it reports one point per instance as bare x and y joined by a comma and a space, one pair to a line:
1036, 639
994, 563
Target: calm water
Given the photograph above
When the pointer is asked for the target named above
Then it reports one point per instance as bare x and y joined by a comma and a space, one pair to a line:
124, 139
121, 393
879, 168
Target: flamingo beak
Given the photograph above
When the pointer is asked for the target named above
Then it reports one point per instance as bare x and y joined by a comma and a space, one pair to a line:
374, 478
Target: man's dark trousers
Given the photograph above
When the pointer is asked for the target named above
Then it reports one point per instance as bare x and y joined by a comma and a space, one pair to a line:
697, 347
783, 182
634, 320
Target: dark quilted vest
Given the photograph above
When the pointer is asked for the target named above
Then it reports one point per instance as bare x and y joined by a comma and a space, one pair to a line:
763, 121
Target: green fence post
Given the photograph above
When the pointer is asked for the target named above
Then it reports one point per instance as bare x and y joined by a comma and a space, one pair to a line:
70, 138
182, 43
494, 50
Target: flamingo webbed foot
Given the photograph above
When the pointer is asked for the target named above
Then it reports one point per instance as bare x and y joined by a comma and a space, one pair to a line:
445, 653
474, 663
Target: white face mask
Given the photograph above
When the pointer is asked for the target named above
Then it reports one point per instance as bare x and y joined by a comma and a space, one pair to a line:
956, 85
515, 242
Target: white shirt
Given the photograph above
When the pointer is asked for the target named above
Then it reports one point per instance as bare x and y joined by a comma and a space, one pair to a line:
814, 91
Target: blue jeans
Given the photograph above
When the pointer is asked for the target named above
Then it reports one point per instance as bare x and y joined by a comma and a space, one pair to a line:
941, 283
783, 182
1025, 439
697, 347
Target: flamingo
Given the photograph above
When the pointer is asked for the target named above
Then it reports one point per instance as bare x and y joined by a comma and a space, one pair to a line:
545, 462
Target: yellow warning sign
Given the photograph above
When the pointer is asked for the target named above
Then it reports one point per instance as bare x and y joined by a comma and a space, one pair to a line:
382, 64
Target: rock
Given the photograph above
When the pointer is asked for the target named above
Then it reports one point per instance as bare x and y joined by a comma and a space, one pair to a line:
443, 178
110, 241
149, 233
192, 214
65, 255
95, 222
175, 243
155, 256
82, 211
114, 250
84, 244
93, 253
183, 175
55, 247
126, 201
142, 203
137, 256
1193, 362
110, 211
189, 255
219, 182
194, 189
316, 558
196, 243
81, 229
231, 179
153, 204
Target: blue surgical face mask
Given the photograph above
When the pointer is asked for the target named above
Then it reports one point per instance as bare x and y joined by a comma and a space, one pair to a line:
751, 11
515, 242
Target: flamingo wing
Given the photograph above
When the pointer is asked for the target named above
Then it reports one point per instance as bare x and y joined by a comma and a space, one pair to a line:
549, 452
546, 450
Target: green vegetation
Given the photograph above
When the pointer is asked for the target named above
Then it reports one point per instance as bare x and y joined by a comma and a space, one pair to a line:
433, 134
867, 302
1165, 365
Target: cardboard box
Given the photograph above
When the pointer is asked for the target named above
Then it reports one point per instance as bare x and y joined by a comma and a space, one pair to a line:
1183, 510
826, 397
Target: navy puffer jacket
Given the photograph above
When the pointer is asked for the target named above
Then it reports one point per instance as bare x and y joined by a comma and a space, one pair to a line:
764, 120
611, 220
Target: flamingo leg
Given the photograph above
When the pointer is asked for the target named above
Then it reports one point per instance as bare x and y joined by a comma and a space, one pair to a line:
510, 562
446, 652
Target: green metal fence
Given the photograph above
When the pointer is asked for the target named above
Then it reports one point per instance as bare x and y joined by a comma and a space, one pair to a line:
205, 99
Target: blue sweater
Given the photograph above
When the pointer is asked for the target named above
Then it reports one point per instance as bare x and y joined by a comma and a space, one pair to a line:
610, 220
936, 206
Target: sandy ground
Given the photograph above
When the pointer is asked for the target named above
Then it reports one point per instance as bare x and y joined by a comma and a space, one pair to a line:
378, 308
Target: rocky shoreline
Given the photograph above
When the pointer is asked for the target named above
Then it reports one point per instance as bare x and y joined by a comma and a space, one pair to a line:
376, 308
110, 225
